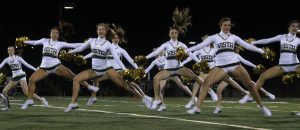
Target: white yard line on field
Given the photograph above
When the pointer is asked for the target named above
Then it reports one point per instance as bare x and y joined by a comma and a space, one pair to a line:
159, 117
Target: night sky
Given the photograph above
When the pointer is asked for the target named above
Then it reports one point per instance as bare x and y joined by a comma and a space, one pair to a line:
146, 22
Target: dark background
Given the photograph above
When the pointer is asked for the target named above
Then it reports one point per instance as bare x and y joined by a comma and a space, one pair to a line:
147, 23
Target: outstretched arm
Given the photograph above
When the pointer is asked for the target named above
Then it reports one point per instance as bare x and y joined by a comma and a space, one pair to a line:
150, 67
248, 46
246, 62
204, 43
154, 53
26, 64
3, 63
35, 42
128, 58
81, 48
268, 40
88, 55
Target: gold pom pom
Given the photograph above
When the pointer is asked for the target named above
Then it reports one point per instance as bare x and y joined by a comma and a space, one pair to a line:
181, 55
287, 79
196, 68
79, 60
185, 80
138, 75
19, 43
64, 55
250, 40
269, 54
2, 78
259, 69
201, 67
141, 60
127, 75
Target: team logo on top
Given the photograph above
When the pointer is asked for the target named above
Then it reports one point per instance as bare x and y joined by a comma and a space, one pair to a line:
289, 47
51, 51
226, 45
14, 66
99, 52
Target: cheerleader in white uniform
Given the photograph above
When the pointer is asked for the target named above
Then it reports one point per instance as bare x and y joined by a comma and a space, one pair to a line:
160, 63
18, 75
117, 38
227, 62
208, 54
173, 67
50, 63
100, 64
288, 61
247, 96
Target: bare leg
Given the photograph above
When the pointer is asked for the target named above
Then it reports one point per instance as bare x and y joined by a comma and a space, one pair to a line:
11, 84
161, 75
82, 76
25, 90
35, 77
181, 85
220, 89
268, 74
66, 72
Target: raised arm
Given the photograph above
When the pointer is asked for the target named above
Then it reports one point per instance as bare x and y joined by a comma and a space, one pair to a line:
246, 62
128, 58
35, 42
268, 40
154, 53
204, 43
26, 64
81, 48
248, 46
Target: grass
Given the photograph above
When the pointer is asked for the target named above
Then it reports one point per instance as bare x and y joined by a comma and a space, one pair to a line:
122, 113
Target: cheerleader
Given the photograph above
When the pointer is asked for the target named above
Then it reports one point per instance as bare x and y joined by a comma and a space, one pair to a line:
173, 66
247, 96
118, 38
207, 54
100, 65
288, 61
227, 63
50, 63
160, 63
18, 75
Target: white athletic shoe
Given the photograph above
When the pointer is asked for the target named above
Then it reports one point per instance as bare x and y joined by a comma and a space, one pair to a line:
155, 104
71, 106
44, 101
265, 111
218, 110
189, 104
28, 102
147, 101
93, 88
194, 110
5, 101
91, 101
162, 108
213, 95
5, 109
271, 96
244, 99
297, 114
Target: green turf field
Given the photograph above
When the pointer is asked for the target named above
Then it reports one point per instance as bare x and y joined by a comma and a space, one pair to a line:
122, 113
